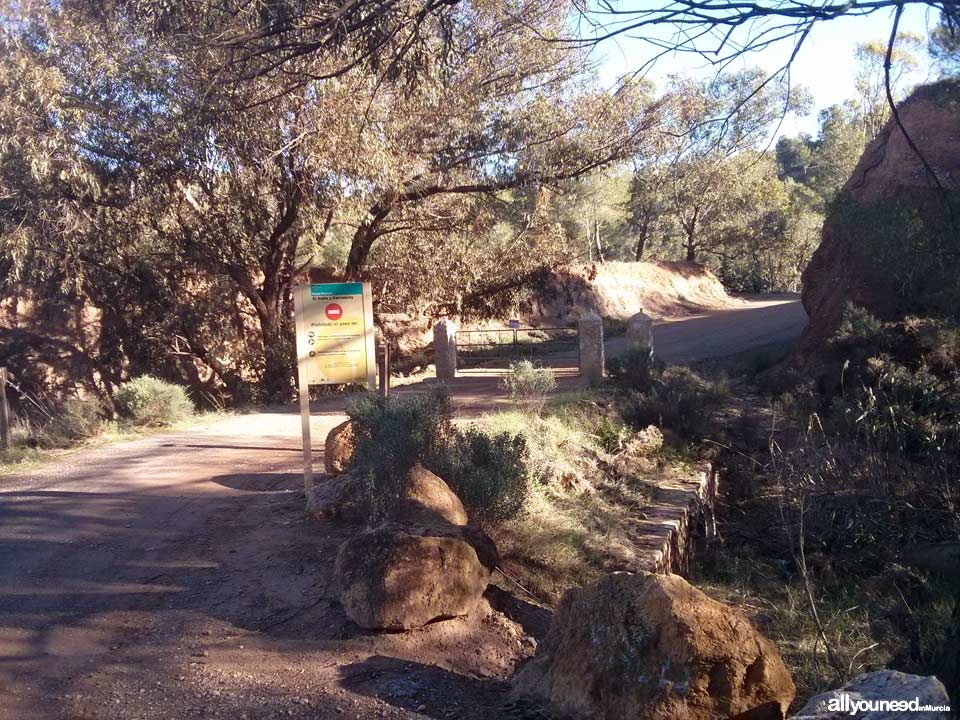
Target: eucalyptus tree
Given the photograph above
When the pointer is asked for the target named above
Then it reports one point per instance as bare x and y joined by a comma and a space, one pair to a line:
714, 121
157, 181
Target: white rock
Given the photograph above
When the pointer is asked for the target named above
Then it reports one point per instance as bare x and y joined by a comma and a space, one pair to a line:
876, 686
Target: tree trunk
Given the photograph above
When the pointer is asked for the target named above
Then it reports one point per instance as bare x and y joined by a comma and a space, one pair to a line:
641, 242
278, 358
276, 383
363, 240
691, 247
596, 240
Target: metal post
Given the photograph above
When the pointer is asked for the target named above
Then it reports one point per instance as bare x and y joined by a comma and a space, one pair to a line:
4, 411
385, 370
307, 442
303, 387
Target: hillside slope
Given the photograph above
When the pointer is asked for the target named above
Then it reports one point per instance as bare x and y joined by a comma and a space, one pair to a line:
622, 289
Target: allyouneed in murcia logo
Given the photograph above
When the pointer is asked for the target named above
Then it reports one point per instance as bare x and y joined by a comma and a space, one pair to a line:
845, 703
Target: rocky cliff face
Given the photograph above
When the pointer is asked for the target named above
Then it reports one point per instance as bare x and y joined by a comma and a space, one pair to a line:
891, 243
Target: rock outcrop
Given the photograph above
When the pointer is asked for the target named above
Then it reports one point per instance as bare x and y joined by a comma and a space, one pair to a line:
391, 578
427, 499
653, 647
871, 687
338, 448
891, 245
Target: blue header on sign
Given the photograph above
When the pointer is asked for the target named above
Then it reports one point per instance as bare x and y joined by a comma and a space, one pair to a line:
354, 288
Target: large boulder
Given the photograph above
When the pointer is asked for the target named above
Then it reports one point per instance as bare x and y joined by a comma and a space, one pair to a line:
338, 448
890, 245
482, 544
427, 499
872, 687
392, 578
653, 647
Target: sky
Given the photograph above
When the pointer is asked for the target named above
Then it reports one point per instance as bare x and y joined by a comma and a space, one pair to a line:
825, 64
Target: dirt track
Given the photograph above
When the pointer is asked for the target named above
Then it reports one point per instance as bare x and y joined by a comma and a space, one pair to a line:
753, 322
176, 577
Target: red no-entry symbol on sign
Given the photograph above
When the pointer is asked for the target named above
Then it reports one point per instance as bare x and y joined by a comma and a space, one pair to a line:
333, 311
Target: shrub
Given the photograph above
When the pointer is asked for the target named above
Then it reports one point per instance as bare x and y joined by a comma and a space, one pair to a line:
393, 434
78, 419
611, 434
908, 248
487, 471
901, 409
633, 369
147, 401
614, 326
678, 399
529, 384
857, 328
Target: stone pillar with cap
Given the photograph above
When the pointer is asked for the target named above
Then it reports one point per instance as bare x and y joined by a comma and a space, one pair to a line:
590, 329
445, 349
640, 332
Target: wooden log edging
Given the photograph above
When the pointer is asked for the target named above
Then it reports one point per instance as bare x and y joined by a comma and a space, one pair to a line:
680, 508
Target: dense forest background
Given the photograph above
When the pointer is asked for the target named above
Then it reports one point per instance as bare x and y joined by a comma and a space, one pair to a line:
167, 175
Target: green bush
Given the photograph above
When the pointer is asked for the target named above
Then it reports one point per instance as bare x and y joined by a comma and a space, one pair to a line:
907, 248
611, 434
488, 472
393, 434
613, 327
634, 369
147, 401
678, 399
857, 328
900, 409
77, 419
895, 386
529, 384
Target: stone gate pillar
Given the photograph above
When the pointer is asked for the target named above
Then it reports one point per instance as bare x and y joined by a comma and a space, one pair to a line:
640, 332
591, 347
445, 349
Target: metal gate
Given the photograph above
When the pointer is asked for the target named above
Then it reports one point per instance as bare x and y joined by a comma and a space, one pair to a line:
557, 346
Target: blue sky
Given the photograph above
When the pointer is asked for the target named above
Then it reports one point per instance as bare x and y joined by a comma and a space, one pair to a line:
825, 65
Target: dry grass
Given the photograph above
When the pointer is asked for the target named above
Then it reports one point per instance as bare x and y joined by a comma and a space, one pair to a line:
777, 604
856, 508
581, 516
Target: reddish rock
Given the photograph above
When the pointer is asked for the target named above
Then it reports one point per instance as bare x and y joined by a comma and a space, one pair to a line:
428, 499
338, 448
394, 579
341, 498
653, 647
855, 262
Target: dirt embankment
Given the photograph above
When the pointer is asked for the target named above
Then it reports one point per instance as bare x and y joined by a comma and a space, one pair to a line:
559, 297
622, 289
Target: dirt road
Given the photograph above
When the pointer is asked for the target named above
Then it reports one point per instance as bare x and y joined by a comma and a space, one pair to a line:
754, 322
176, 577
